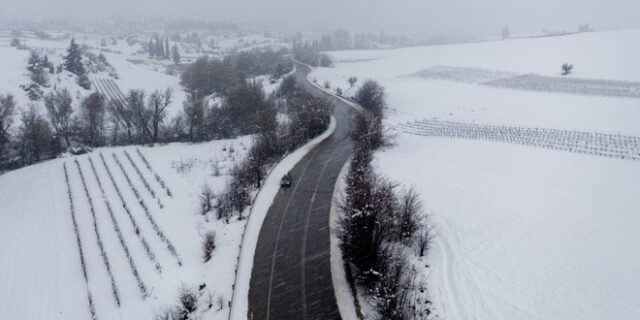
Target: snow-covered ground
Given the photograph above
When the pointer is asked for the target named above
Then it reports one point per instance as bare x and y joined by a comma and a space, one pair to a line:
598, 55
148, 77
41, 271
519, 232
134, 68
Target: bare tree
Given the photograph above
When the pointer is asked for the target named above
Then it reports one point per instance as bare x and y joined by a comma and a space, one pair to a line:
121, 116
220, 302
423, 241
158, 104
352, 81
92, 120
395, 284
410, 215
566, 68
194, 111
206, 199
7, 108
58, 104
208, 245
35, 137
141, 114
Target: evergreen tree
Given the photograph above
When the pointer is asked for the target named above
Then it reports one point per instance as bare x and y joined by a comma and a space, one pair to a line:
167, 52
73, 59
47, 64
506, 33
37, 67
151, 48
159, 48
7, 108
84, 81
92, 120
59, 109
194, 112
35, 137
371, 97
33, 62
175, 54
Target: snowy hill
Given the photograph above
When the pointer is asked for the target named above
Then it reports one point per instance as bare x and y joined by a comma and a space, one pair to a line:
532, 193
136, 211
607, 56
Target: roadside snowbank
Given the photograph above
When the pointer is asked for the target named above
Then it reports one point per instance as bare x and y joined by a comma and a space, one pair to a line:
344, 296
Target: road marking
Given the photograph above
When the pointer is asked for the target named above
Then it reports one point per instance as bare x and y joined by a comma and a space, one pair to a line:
275, 250
303, 251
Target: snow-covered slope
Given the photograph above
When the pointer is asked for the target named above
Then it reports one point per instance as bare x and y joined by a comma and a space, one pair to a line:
41, 268
524, 233
520, 232
598, 55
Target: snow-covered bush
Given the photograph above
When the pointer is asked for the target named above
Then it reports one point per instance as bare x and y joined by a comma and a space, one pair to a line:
188, 299
566, 68
378, 224
393, 287
206, 199
167, 313
187, 304
208, 245
410, 210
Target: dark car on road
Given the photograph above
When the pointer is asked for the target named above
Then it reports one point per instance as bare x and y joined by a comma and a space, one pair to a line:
286, 181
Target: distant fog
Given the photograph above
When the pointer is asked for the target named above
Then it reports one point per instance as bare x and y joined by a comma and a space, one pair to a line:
414, 17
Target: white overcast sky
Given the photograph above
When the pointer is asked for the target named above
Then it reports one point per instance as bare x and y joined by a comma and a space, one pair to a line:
423, 17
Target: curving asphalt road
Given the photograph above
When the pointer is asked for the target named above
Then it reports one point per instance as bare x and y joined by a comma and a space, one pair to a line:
291, 277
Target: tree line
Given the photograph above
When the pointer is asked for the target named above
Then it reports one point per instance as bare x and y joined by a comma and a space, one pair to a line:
308, 117
343, 40
210, 76
379, 223
159, 48
142, 117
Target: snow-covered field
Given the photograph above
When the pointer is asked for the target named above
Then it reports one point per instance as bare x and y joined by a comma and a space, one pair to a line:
520, 232
41, 271
525, 233
599, 55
